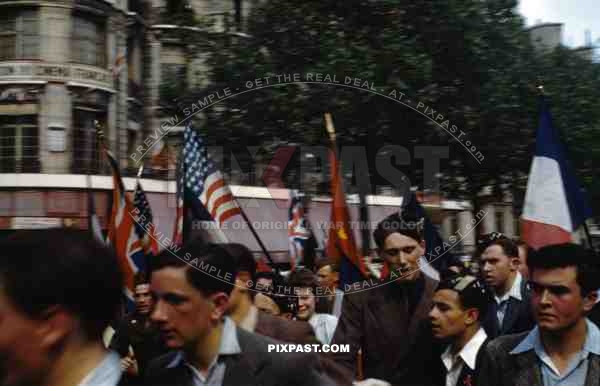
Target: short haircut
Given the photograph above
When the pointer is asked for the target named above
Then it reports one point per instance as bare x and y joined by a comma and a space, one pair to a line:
140, 278
195, 256
335, 267
568, 255
62, 267
303, 278
508, 246
408, 224
472, 293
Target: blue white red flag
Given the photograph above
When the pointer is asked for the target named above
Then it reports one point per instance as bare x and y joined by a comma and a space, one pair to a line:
555, 205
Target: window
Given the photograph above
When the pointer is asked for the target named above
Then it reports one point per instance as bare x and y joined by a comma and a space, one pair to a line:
89, 42
19, 35
500, 220
173, 79
86, 157
19, 144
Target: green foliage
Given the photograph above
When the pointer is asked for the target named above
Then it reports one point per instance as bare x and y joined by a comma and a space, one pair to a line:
470, 60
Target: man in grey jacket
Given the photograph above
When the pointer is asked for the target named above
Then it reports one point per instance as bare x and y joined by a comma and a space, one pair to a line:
192, 293
564, 346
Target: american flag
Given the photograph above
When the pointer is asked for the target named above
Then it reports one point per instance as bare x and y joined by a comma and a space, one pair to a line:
179, 216
145, 226
298, 232
203, 185
122, 234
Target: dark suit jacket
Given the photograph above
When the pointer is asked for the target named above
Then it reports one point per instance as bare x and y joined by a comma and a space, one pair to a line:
254, 366
499, 368
396, 344
285, 330
467, 376
518, 317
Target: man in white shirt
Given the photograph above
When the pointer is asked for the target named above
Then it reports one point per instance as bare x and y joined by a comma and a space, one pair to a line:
305, 286
459, 304
58, 291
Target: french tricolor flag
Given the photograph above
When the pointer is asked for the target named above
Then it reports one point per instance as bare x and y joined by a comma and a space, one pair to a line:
555, 205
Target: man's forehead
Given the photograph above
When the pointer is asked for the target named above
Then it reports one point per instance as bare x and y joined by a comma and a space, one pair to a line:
399, 240
554, 276
142, 288
446, 296
493, 251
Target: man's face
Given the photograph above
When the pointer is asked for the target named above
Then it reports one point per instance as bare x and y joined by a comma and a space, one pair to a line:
306, 303
497, 267
183, 314
448, 318
143, 299
402, 254
523, 261
327, 277
22, 359
264, 284
557, 299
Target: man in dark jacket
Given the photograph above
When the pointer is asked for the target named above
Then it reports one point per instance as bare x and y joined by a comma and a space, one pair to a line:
459, 305
564, 346
388, 320
510, 309
192, 293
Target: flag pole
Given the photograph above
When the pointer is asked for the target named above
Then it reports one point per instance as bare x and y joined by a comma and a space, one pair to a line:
258, 240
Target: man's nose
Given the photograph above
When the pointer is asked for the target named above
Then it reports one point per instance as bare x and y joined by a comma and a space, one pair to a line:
158, 313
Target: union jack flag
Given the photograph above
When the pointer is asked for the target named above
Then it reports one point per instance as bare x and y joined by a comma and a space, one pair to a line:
298, 232
122, 234
145, 226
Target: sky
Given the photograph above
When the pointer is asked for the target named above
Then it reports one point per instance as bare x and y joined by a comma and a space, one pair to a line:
576, 16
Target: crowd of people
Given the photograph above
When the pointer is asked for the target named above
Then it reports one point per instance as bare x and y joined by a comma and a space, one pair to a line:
524, 317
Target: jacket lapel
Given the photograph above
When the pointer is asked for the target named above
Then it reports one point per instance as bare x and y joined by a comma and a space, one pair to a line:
593, 374
528, 371
512, 313
423, 308
240, 369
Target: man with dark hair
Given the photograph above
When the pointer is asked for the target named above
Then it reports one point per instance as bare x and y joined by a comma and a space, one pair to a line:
510, 310
59, 289
389, 321
459, 304
245, 314
192, 293
264, 282
304, 285
136, 338
328, 274
524, 251
564, 347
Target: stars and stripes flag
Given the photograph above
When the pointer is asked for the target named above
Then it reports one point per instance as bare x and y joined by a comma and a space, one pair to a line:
122, 235
298, 232
177, 238
145, 226
202, 186
555, 205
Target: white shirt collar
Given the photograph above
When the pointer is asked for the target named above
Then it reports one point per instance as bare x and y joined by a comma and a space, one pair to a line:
514, 292
107, 373
468, 353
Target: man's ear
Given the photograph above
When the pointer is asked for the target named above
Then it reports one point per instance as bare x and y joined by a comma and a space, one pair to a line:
589, 300
422, 245
472, 316
219, 301
515, 263
56, 323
